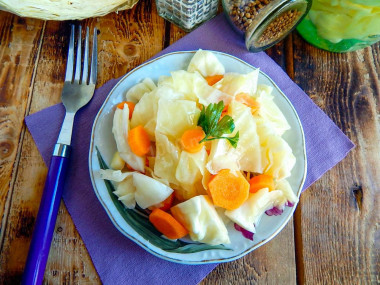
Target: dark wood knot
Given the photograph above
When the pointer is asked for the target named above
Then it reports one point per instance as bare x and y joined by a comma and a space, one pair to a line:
6, 149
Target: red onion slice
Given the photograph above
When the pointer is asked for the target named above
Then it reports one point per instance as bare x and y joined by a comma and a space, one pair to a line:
274, 211
289, 204
247, 234
277, 211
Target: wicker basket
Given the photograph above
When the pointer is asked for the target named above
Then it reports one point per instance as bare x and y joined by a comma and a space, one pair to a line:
64, 9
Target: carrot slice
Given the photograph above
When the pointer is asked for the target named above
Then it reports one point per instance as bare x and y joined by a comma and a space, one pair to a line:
247, 100
167, 225
227, 190
138, 140
191, 138
261, 181
164, 205
167, 203
211, 80
224, 112
131, 107
130, 167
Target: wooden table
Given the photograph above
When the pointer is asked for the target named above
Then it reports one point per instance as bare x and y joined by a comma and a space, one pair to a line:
334, 237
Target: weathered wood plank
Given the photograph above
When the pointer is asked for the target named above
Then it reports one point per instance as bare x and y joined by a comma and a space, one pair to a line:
175, 33
339, 215
273, 263
19, 45
125, 40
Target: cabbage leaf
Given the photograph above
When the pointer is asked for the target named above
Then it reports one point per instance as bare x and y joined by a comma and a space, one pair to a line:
206, 63
199, 216
120, 129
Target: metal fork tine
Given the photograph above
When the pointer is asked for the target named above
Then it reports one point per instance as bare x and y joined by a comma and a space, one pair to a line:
70, 57
78, 63
85, 60
94, 58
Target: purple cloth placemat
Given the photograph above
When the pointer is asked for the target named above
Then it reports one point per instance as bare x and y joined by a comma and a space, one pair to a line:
117, 259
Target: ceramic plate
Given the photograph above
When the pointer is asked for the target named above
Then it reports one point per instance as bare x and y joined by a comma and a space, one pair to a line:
132, 225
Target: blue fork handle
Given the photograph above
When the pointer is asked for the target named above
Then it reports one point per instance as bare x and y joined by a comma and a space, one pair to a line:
46, 218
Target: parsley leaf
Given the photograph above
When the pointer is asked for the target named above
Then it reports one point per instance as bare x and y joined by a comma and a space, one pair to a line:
215, 128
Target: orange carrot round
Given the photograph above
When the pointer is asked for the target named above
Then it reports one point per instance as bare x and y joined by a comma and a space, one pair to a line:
167, 225
191, 138
138, 140
131, 107
247, 100
211, 80
261, 181
227, 190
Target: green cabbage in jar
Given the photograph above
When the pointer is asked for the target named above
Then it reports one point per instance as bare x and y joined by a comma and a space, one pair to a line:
337, 20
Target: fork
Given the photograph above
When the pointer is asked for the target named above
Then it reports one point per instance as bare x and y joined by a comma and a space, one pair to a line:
78, 90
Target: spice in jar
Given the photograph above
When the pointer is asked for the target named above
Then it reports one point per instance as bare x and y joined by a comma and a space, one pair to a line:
243, 12
265, 22
281, 25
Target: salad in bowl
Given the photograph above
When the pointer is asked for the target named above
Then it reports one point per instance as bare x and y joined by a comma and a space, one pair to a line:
199, 157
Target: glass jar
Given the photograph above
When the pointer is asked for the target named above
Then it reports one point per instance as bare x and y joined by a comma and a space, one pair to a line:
187, 14
264, 22
342, 25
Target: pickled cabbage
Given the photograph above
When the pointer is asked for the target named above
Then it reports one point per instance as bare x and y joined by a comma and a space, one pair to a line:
248, 148
206, 63
346, 19
235, 83
189, 173
198, 215
167, 157
286, 189
120, 130
149, 191
171, 108
117, 162
174, 117
196, 88
222, 156
125, 190
276, 155
269, 111
248, 214
148, 104
113, 175
136, 92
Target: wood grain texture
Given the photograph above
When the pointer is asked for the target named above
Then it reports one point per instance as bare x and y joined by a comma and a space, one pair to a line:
272, 264
339, 215
19, 42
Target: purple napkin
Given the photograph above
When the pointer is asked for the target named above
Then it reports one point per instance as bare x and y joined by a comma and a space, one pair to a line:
117, 259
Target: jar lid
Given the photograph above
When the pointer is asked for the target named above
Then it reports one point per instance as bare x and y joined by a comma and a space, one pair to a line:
274, 22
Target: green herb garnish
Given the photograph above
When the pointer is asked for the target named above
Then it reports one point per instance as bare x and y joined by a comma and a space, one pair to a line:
215, 128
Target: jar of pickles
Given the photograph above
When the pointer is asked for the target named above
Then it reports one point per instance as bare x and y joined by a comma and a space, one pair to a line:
264, 22
187, 14
342, 25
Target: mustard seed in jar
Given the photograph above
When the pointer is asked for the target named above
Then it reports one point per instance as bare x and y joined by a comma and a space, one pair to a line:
264, 22
279, 26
